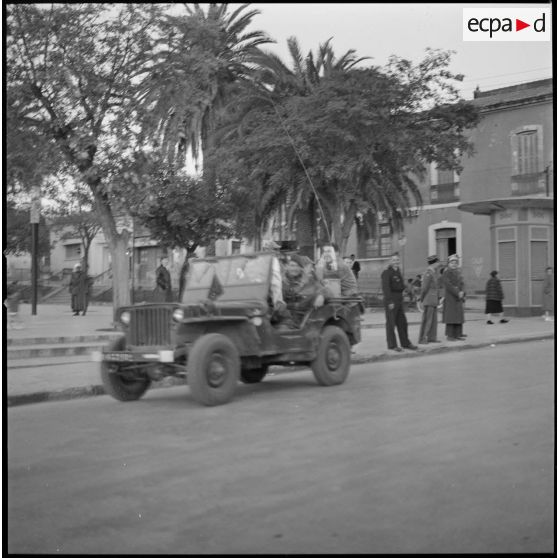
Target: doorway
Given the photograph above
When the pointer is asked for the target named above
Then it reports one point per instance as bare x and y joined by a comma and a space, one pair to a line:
446, 243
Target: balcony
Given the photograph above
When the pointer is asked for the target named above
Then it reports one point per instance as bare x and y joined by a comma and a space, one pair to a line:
531, 183
444, 193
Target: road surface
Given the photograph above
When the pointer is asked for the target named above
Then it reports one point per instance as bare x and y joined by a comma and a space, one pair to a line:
450, 453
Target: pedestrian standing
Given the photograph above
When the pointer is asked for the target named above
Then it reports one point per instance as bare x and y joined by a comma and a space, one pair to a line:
80, 289
548, 295
163, 285
494, 297
454, 298
13, 296
392, 288
429, 297
355, 266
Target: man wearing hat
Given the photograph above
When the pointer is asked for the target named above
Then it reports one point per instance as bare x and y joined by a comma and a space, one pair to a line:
453, 313
429, 297
392, 288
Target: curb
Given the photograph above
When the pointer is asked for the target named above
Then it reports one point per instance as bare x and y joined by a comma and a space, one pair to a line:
89, 391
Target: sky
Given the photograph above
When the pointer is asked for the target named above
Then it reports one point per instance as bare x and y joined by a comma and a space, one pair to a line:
380, 30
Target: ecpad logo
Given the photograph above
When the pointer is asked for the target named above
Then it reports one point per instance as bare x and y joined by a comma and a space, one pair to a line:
506, 24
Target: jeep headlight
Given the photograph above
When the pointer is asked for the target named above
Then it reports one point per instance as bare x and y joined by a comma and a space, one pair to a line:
178, 315
125, 318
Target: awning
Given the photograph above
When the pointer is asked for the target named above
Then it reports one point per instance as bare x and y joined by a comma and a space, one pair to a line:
486, 207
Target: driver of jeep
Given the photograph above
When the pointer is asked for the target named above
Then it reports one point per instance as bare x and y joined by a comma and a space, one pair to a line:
302, 291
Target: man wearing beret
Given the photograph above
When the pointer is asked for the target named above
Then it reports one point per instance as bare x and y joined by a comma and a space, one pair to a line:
392, 287
429, 297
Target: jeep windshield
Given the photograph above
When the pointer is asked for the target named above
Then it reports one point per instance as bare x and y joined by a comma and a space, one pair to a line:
240, 277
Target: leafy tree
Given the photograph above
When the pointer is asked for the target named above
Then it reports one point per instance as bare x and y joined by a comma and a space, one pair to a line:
180, 211
73, 74
74, 216
17, 238
358, 138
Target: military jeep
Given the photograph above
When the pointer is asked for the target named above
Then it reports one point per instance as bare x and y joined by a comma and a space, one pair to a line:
221, 332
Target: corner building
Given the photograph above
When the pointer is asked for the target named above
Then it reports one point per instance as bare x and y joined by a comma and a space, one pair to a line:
497, 214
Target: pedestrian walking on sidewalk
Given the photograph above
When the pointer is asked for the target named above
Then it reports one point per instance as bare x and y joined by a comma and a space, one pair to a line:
13, 296
80, 289
163, 287
454, 297
429, 297
494, 296
392, 288
548, 294
355, 266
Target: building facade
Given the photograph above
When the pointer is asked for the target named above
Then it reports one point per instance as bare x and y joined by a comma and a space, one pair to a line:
513, 160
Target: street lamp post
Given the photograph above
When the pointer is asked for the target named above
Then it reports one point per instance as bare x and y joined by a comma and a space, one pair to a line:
35, 214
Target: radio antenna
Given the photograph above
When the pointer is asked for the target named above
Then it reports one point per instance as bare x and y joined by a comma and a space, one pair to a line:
303, 165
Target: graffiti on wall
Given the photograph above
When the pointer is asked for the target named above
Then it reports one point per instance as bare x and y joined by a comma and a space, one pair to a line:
477, 266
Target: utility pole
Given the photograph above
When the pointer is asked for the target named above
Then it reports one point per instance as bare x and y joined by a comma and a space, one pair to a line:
35, 215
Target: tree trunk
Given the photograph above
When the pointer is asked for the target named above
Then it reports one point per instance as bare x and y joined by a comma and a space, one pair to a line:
184, 270
118, 244
347, 226
120, 272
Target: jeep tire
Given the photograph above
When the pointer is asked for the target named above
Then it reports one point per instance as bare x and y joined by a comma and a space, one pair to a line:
119, 385
213, 369
332, 363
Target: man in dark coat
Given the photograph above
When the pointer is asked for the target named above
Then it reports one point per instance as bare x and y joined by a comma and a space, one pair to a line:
454, 298
163, 288
80, 289
392, 288
355, 266
429, 296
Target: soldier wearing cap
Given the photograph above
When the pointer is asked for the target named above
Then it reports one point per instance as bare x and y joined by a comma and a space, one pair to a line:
453, 314
392, 288
429, 296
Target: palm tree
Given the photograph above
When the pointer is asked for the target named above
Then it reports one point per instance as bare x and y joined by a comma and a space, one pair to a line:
202, 56
275, 82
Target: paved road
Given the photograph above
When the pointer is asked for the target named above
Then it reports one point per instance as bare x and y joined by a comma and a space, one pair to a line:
446, 453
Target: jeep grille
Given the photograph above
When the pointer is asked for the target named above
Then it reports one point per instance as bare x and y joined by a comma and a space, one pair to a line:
150, 326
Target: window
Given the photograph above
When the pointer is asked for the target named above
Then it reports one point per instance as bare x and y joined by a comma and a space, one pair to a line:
527, 152
444, 186
235, 246
527, 159
73, 251
385, 234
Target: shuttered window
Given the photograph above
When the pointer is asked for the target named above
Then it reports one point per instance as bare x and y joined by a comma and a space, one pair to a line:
507, 260
539, 259
527, 152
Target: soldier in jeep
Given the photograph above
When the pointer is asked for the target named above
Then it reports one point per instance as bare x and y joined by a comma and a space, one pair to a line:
302, 291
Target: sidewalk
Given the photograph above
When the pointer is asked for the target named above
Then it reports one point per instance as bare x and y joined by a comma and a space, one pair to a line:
53, 377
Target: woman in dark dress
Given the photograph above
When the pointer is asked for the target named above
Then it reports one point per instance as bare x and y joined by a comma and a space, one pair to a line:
494, 296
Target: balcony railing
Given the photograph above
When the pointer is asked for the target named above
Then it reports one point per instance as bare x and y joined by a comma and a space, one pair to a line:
444, 193
531, 183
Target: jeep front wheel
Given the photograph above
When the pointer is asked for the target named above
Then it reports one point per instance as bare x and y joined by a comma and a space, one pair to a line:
332, 363
213, 369
116, 382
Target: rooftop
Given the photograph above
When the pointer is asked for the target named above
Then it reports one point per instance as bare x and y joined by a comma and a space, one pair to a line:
541, 89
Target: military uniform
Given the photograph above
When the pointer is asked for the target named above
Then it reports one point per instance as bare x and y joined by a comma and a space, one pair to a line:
429, 298
392, 288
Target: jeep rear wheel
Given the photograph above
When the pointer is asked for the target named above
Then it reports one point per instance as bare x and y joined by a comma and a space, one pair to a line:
332, 363
116, 383
213, 369
253, 375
